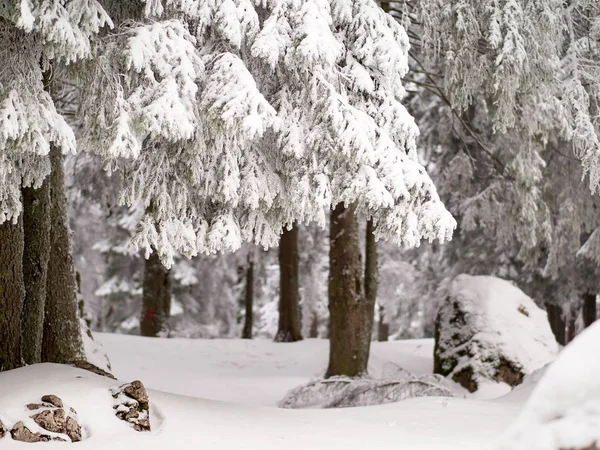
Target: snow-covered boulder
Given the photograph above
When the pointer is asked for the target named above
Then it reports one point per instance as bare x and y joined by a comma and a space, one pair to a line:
489, 331
563, 412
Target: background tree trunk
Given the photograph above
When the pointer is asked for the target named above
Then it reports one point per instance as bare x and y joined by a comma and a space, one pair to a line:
557, 322
383, 328
289, 329
249, 299
62, 341
156, 298
12, 292
350, 314
574, 309
36, 253
589, 308
371, 271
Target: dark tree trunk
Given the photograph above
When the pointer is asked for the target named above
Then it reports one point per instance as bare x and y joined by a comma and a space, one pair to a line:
156, 298
36, 253
350, 314
557, 322
589, 309
383, 328
574, 309
371, 271
289, 329
62, 341
314, 326
249, 300
12, 293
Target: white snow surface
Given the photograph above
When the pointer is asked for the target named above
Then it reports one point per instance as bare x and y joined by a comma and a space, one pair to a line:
564, 409
504, 321
228, 391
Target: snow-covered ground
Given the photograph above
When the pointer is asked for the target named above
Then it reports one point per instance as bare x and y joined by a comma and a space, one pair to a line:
221, 394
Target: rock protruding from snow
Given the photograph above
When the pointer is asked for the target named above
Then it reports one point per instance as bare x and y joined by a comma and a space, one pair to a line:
21, 433
487, 330
563, 412
342, 392
2, 430
133, 405
51, 416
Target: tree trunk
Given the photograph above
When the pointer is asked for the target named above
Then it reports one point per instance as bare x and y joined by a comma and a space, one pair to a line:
36, 253
62, 341
350, 314
314, 326
557, 322
589, 309
12, 292
156, 298
371, 271
574, 309
383, 328
249, 300
289, 329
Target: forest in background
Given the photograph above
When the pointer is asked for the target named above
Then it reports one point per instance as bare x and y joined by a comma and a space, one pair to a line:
222, 128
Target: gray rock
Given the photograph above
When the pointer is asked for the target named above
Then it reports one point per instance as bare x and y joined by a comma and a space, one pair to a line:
23, 434
2, 430
55, 419
133, 405
53, 400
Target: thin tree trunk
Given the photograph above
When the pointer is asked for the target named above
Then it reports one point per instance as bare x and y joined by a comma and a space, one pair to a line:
36, 253
314, 326
557, 322
62, 341
249, 300
371, 271
574, 309
589, 309
156, 298
350, 314
289, 329
12, 292
383, 328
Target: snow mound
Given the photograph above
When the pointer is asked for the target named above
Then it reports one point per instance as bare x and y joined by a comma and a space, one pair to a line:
564, 409
488, 332
342, 392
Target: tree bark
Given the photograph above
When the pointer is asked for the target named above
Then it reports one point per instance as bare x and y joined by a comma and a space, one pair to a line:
289, 329
12, 293
36, 253
557, 322
62, 341
350, 314
383, 328
589, 309
156, 299
371, 271
574, 309
249, 300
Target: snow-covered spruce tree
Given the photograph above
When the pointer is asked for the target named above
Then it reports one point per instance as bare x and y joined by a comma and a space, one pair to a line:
502, 86
34, 33
235, 120
232, 144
